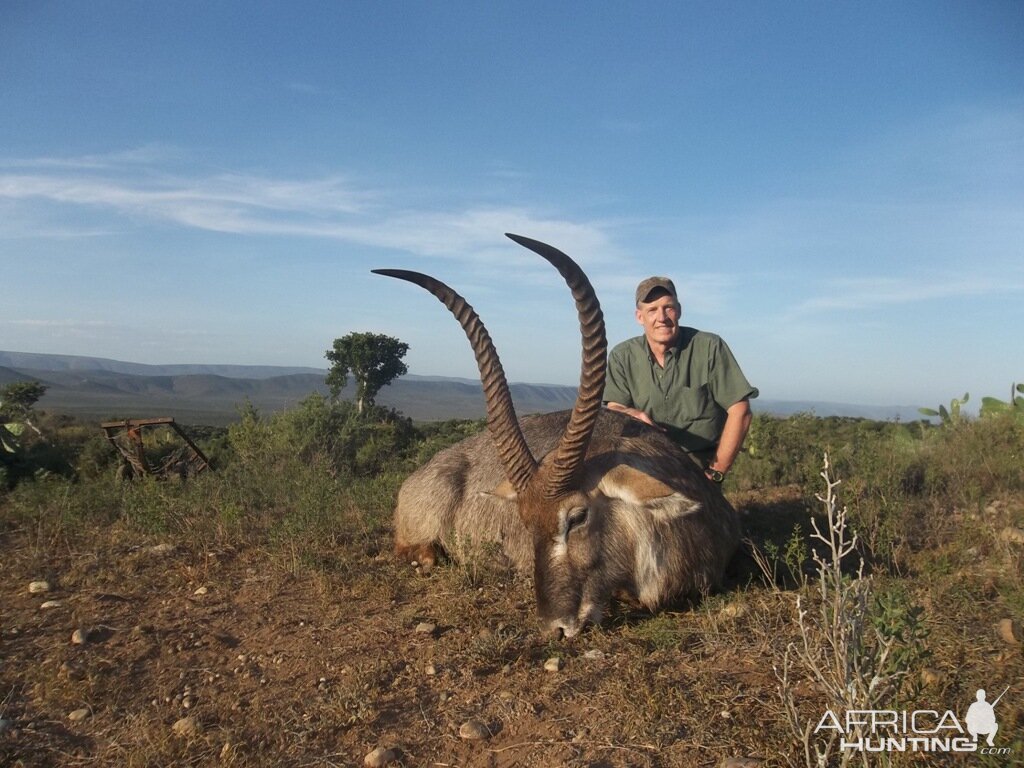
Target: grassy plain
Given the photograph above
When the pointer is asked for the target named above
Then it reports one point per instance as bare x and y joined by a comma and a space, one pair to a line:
260, 605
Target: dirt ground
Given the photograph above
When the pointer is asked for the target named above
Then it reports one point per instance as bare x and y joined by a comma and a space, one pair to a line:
248, 655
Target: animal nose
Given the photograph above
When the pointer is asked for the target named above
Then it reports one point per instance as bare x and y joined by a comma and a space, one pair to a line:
555, 632
562, 630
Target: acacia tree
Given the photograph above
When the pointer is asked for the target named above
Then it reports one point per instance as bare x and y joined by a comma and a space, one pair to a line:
373, 359
16, 401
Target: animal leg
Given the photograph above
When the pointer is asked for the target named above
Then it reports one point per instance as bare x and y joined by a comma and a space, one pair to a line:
423, 555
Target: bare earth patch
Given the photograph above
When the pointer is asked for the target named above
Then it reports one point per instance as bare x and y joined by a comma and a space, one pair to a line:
245, 655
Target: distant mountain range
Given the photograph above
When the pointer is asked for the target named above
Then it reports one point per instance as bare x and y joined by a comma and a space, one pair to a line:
32, 360
97, 388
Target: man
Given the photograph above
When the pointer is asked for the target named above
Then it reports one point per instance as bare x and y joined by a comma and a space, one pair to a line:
681, 380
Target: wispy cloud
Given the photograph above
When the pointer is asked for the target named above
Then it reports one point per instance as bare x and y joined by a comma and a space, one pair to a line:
868, 293
328, 207
57, 324
177, 198
147, 154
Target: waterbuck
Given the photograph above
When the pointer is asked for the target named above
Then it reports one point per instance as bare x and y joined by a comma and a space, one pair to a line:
596, 503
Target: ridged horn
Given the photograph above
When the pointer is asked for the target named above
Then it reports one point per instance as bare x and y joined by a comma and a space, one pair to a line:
572, 447
520, 466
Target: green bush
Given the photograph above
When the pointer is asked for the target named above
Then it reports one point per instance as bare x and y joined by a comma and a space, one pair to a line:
353, 444
320, 472
901, 481
437, 436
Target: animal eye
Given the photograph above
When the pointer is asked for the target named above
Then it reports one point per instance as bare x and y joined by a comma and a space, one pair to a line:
576, 518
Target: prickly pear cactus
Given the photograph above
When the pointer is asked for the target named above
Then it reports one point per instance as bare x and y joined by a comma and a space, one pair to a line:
948, 417
991, 406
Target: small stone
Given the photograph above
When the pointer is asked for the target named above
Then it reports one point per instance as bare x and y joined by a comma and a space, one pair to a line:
201, 591
38, 587
50, 604
380, 757
930, 676
554, 664
733, 610
80, 636
426, 628
1009, 631
1012, 535
72, 671
161, 549
78, 715
474, 730
187, 727
430, 670
594, 654
742, 762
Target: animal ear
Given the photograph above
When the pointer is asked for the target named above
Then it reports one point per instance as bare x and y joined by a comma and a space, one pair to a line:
630, 484
503, 490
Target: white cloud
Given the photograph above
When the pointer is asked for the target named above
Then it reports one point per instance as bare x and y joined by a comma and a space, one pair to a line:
58, 324
867, 293
328, 207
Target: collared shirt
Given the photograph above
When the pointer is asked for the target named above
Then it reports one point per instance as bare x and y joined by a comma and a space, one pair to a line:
690, 395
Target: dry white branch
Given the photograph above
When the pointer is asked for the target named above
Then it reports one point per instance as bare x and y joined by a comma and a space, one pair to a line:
839, 648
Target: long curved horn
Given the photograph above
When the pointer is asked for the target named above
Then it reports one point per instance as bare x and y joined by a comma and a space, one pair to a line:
572, 447
501, 416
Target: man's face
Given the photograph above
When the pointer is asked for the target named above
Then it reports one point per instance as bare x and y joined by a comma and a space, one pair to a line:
660, 319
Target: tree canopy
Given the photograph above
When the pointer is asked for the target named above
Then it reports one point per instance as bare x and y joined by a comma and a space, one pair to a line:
373, 359
17, 399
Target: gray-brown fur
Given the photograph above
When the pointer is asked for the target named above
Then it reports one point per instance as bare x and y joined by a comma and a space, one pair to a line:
594, 502
449, 502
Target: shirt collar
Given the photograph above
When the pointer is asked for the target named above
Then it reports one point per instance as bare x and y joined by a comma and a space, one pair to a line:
682, 339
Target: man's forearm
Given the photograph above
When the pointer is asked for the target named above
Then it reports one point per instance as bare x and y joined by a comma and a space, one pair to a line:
735, 431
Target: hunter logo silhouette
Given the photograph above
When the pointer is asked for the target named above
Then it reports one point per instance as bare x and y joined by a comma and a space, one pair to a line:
981, 717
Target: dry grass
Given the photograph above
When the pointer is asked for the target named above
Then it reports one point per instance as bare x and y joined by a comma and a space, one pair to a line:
303, 650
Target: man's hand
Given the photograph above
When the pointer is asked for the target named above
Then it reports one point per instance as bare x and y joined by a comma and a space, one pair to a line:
635, 413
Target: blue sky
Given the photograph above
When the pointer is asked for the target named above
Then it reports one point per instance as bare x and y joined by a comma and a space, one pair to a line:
836, 188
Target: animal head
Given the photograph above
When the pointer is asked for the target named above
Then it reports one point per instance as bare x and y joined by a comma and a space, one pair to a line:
563, 499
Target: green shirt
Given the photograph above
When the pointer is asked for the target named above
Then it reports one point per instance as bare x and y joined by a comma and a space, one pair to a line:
690, 395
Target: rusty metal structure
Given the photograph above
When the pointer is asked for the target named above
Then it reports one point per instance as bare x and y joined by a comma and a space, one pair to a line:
126, 437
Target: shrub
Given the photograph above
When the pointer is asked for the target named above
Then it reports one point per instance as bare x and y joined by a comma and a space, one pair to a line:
353, 444
858, 645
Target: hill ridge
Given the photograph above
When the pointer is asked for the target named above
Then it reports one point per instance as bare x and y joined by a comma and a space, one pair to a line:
195, 393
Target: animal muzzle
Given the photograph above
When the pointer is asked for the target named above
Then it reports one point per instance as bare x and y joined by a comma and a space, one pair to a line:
567, 627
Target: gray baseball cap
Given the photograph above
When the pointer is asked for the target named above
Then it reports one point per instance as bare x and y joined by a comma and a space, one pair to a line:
648, 286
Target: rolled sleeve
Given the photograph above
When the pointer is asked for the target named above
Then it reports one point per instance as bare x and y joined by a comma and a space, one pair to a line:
616, 385
726, 380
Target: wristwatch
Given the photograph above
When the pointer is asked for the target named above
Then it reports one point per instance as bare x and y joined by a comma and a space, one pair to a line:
714, 475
